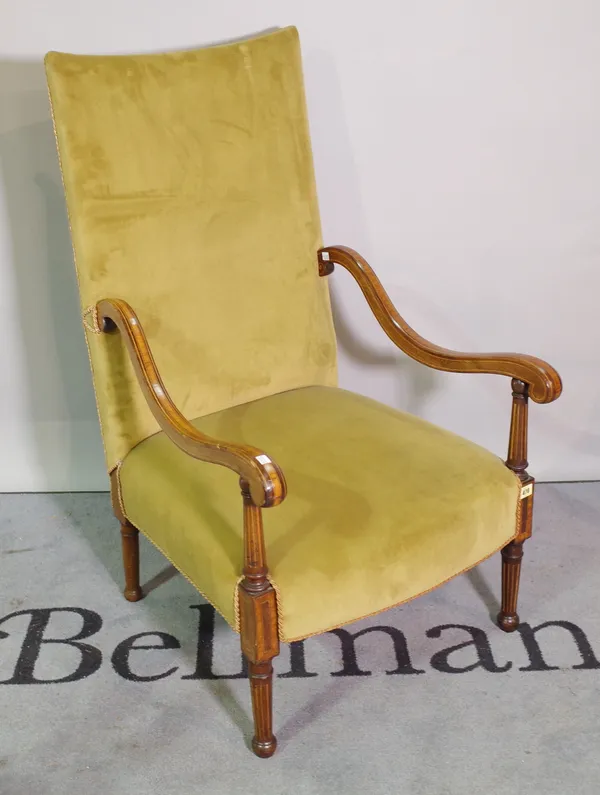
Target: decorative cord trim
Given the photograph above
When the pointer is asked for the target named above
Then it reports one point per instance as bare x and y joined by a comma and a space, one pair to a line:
117, 470
518, 517
94, 326
236, 603
279, 606
402, 601
520, 502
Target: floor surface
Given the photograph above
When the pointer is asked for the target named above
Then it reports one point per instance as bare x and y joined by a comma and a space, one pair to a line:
400, 712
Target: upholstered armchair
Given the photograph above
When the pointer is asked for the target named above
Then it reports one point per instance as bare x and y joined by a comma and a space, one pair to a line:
292, 505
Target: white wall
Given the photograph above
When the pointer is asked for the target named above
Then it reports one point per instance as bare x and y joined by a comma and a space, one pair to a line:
457, 148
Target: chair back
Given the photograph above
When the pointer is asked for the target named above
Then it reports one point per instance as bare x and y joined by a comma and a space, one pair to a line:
191, 195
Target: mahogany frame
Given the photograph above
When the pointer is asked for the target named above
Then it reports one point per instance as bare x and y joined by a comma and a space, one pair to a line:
263, 483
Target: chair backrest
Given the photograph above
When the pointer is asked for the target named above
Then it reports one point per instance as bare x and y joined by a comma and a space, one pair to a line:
191, 195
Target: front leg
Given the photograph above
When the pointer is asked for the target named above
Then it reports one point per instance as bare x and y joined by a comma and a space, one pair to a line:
512, 554
258, 627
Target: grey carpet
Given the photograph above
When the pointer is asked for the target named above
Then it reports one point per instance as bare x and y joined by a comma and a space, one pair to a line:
493, 729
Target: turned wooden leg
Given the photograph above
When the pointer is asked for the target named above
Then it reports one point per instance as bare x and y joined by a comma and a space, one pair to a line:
512, 554
131, 561
129, 543
258, 627
264, 741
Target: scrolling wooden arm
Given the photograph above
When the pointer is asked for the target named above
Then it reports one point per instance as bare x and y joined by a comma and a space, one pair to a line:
266, 482
543, 381
531, 377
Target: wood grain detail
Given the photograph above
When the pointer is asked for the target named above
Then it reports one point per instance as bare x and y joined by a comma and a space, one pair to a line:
258, 625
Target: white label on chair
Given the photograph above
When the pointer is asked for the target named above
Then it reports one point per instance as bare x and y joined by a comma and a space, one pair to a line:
527, 491
263, 459
325, 256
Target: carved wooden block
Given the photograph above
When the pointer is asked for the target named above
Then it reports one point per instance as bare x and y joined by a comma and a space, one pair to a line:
526, 518
258, 625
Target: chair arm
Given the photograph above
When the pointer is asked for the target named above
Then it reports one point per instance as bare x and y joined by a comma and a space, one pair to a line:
264, 477
543, 380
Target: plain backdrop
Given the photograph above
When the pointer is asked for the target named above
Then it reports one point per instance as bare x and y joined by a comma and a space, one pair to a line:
456, 146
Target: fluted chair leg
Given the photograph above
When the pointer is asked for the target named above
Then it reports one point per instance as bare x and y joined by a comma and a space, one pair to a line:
258, 618
258, 627
264, 741
131, 561
512, 554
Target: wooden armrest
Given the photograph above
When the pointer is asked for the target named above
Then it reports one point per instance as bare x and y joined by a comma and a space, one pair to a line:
265, 479
543, 380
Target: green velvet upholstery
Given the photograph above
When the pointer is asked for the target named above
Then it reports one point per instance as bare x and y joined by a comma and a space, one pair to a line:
191, 195
381, 506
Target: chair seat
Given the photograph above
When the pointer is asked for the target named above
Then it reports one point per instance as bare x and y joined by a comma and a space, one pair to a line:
381, 507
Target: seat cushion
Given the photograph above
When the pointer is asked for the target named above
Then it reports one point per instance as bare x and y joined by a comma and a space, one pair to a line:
381, 507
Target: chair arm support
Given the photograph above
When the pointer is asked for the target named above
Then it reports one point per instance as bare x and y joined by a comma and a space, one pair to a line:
543, 380
265, 479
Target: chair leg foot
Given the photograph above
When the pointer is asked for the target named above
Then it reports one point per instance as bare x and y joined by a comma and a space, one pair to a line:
508, 618
508, 623
133, 595
264, 750
131, 562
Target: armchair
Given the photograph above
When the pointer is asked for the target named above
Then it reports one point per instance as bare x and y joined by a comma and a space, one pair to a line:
191, 197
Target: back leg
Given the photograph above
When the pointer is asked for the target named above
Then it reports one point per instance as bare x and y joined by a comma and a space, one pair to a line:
131, 561
130, 543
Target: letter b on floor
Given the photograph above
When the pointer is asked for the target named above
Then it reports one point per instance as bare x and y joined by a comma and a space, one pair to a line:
88, 658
